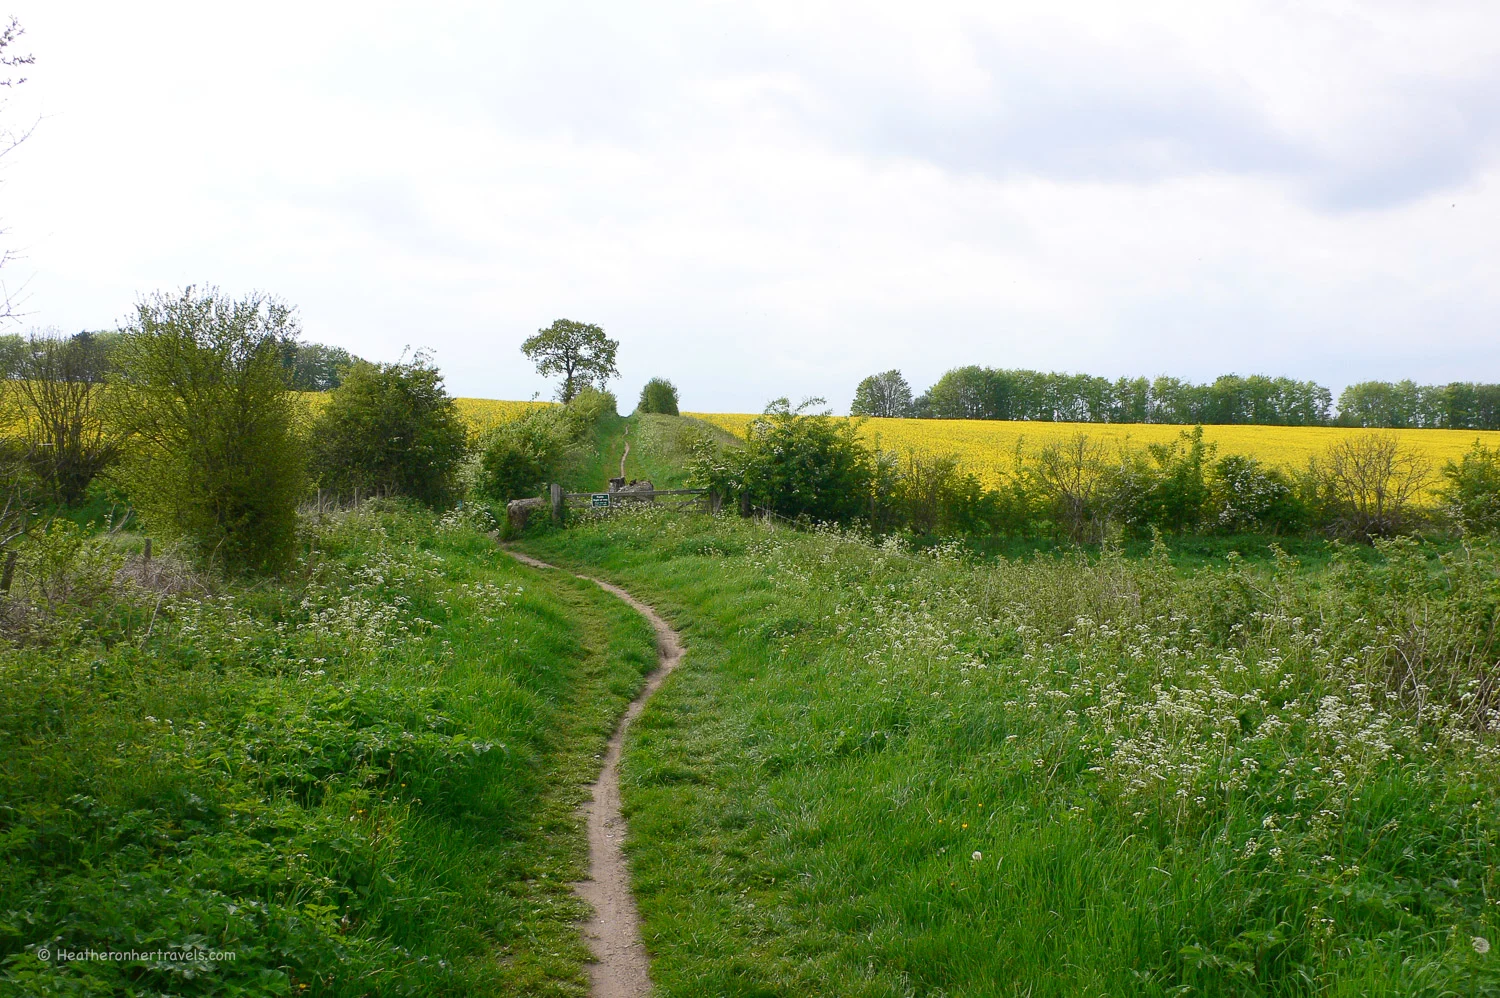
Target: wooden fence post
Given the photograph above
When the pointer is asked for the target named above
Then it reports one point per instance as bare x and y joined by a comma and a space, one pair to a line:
146, 557
745, 504
10, 572
557, 502
715, 502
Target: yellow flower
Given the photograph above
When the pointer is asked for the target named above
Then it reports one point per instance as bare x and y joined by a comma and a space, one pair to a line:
987, 447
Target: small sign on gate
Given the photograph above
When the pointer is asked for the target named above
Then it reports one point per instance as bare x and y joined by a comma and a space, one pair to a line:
599, 499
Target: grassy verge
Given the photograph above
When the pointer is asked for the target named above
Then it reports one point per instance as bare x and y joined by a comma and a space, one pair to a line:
886, 775
360, 781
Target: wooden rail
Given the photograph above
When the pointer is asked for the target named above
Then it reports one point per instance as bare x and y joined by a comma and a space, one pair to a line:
637, 495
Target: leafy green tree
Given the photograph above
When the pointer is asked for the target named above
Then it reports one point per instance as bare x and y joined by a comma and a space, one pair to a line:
213, 453
659, 395
391, 429
12, 349
886, 394
315, 367
579, 351
964, 393
974, 392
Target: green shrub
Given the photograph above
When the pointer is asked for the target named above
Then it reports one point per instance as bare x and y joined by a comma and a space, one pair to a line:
1163, 487
659, 395
1244, 496
930, 495
1471, 489
391, 429
213, 453
795, 465
517, 458
587, 407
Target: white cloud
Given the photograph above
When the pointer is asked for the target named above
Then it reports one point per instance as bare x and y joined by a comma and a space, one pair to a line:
779, 200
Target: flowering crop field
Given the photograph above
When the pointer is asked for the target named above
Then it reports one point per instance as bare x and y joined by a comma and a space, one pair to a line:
479, 414
988, 447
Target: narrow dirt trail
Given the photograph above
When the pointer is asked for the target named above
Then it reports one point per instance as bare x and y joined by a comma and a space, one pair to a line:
622, 969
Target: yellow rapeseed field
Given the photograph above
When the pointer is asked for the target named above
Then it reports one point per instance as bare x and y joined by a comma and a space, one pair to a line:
988, 447
483, 414
480, 414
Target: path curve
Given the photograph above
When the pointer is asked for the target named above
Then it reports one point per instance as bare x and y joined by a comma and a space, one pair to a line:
622, 969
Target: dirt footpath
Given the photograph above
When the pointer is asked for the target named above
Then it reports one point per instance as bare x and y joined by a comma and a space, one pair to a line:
622, 969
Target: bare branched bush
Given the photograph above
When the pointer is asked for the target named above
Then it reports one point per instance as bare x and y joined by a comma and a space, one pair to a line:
925, 483
18, 492
1372, 483
57, 400
1072, 478
166, 573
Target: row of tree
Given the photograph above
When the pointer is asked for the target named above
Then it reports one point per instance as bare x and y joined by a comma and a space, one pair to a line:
310, 367
975, 392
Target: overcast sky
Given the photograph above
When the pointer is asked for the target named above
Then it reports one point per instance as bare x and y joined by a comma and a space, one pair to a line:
763, 200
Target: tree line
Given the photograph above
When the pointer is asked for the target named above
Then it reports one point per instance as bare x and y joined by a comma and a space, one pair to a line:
309, 367
975, 392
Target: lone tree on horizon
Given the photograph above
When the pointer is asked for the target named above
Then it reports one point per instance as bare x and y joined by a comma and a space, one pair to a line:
579, 351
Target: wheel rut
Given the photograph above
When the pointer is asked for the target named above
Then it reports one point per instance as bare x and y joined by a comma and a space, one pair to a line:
621, 968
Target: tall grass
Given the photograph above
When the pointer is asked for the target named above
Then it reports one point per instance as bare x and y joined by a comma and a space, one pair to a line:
360, 781
881, 774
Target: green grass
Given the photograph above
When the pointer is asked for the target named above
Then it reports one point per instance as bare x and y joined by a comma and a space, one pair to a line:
1188, 552
885, 775
362, 780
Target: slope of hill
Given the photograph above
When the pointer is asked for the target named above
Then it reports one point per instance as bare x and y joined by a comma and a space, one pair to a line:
660, 449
